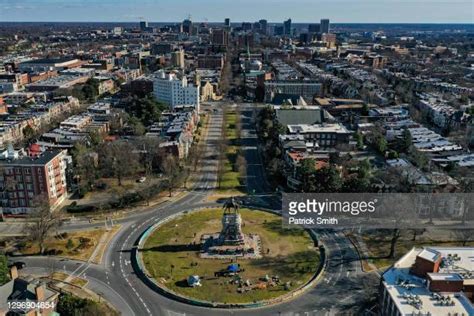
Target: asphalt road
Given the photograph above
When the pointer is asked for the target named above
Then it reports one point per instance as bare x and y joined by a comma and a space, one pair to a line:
341, 289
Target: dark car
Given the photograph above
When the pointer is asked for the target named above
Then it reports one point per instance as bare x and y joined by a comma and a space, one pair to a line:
18, 264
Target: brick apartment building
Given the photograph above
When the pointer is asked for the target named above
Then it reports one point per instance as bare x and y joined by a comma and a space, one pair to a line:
24, 180
211, 61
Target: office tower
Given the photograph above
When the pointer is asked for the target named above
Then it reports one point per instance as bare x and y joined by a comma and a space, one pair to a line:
246, 26
227, 22
188, 26
220, 37
287, 27
279, 30
143, 25
177, 58
314, 28
325, 26
256, 27
305, 38
263, 26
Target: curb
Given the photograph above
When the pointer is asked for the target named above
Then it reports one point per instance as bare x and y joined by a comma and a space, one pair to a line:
154, 285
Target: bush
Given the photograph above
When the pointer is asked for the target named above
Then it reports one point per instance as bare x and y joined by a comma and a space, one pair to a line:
69, 305
69, 244
21, 244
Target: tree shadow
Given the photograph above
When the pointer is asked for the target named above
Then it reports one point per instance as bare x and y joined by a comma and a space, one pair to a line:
174, 248
181, 283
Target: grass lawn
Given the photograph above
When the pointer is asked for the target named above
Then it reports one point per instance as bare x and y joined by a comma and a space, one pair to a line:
168, 254
378, 244
231, 179
81, 247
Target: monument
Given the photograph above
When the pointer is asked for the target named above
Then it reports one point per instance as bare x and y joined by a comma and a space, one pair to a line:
231, 242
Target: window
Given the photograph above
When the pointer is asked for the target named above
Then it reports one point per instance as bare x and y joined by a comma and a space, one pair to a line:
29, 187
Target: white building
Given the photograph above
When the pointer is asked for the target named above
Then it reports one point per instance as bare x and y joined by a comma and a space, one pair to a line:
168, 88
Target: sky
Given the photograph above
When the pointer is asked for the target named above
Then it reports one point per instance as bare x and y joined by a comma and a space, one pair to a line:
342, 11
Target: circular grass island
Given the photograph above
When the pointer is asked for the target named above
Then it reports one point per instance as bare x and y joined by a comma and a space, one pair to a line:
171, 254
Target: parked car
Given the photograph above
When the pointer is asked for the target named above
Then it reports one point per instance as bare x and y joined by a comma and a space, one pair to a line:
18, 264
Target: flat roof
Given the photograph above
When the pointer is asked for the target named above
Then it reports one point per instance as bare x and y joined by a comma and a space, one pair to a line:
410, 293
43, 159
429, 254
444, 276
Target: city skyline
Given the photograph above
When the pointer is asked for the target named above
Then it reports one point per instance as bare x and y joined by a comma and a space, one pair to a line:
301, 11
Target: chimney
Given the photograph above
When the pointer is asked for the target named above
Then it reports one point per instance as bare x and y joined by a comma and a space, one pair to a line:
39, 291
13, 273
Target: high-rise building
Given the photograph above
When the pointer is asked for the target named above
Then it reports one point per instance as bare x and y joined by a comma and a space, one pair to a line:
287, 27
314, 28
279, 30
168, 88
177, 58
325, 26
263, 26
256, 27
246, 26
220, 37
227, 22
188, 26
26, 180
143, 25
305, 38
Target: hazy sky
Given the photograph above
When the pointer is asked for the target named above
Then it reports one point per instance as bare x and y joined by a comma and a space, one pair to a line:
414, 11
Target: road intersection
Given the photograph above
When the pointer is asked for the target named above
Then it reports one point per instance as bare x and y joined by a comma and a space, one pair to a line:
116, 278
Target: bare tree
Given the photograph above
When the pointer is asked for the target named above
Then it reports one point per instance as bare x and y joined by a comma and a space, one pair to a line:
119, 158
171, 170
150, 152
396, 234
43, 221
417, 232
222, 147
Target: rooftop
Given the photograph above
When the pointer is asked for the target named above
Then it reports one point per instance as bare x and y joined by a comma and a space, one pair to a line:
411, 294
317, 128
43, 159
